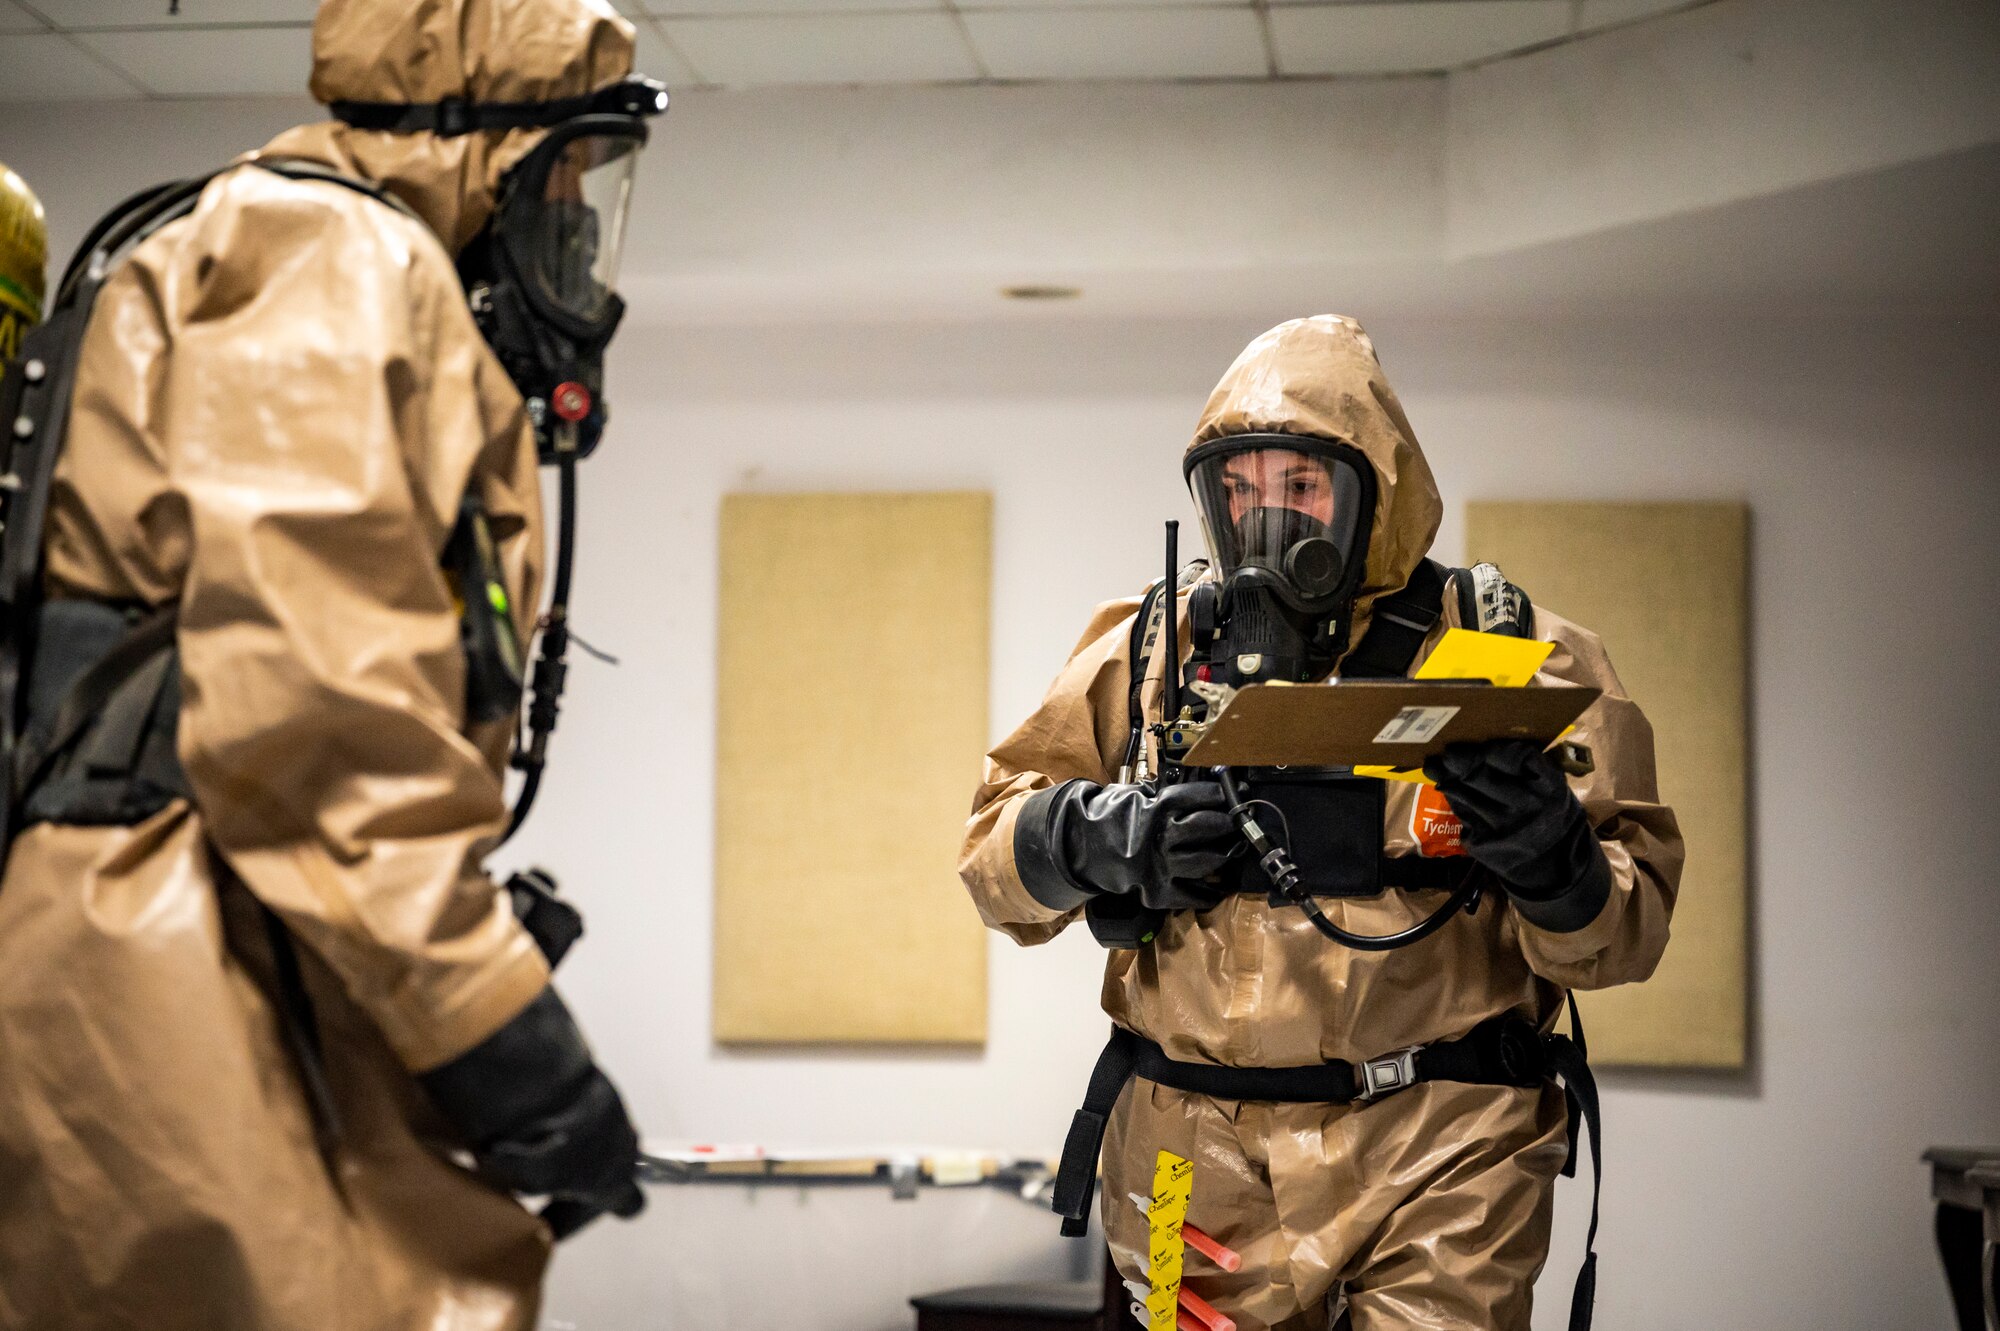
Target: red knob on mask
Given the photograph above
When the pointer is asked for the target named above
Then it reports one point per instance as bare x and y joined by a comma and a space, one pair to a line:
570, 401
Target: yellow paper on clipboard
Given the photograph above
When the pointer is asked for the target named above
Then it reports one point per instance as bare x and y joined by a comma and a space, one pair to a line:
1508, 663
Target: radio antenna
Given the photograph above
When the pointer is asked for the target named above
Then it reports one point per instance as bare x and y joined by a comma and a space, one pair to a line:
1171, 684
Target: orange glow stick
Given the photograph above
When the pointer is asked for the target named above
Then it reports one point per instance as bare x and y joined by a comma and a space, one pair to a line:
1211, 1320
1223, 1257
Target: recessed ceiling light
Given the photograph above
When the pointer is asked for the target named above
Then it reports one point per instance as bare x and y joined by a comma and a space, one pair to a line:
1034, 292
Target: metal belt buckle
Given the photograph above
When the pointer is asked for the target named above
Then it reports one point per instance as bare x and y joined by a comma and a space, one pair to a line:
1387, 1072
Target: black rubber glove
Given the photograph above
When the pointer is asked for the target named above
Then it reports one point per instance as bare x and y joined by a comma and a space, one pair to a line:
1165, 848
542, 1118
1524, 823
549, 918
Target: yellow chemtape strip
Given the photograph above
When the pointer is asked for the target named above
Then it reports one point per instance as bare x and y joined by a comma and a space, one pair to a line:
1173, 1189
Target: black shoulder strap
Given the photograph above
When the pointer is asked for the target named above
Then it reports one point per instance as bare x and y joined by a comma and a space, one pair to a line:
1569, 1058
1146, 627
1403, 621
1400, 624
38, 387
133, 218
1140, 653
294, 168
1468, 598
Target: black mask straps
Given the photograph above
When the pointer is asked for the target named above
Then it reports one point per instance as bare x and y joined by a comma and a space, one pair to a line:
637, 98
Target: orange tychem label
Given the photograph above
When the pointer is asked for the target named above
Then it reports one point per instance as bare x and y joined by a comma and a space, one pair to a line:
1437, 829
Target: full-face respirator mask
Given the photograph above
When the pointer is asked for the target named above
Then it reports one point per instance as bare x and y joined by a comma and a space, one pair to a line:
1287, 519
540, 277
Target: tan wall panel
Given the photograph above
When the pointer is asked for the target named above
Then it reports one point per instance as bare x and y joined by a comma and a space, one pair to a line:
1666, 586
851, 717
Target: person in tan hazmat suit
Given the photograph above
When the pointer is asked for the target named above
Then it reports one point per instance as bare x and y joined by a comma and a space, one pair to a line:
1404, 1153
275, 1051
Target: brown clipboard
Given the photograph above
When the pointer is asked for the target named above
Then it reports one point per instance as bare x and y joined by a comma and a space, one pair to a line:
1397, 723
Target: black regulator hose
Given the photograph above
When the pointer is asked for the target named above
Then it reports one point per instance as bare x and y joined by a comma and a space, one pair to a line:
545, 688
1278, 866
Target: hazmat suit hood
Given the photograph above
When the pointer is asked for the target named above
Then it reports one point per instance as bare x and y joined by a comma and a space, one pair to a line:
1319, 377
423, 51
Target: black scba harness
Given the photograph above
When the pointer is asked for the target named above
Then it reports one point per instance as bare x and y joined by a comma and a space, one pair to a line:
1333, 819
1338, 822
90, 690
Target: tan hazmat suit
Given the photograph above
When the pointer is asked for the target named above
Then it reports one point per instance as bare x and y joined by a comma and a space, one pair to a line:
1431, 1206
280, 402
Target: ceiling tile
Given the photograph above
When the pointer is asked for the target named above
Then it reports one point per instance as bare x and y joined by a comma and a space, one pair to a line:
74, 14
755, 8
36, 68
13, 18
217, 62
1603, 13
1119, 44
1408, 38
657, 59
827, 48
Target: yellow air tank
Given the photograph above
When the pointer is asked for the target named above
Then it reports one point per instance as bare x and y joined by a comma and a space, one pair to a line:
24, 246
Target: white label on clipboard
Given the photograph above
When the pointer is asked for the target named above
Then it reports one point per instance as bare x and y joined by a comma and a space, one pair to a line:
1416, 725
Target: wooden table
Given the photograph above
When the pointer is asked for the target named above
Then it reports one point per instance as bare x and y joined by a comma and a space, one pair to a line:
1966, 1185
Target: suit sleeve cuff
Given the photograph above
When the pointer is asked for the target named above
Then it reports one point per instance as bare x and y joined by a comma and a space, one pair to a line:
1576, 906
1038, 856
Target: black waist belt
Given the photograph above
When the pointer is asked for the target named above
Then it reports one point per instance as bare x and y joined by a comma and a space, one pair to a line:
1505, 1051
103, 701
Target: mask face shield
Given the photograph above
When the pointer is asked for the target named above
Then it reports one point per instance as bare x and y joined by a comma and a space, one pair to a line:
1289, 512
564, 216
542, 278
